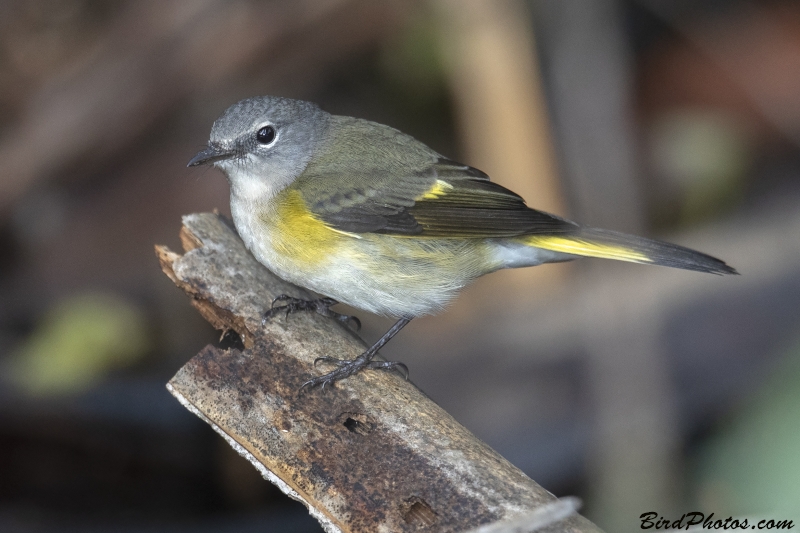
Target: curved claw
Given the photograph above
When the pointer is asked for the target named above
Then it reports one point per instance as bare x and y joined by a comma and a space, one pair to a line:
347, 319
404, 369
310, 384
321, 381
272, 311
279, 298
329, 359
390, 365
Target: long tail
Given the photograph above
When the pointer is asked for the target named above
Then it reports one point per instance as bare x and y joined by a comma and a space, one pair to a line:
593, 242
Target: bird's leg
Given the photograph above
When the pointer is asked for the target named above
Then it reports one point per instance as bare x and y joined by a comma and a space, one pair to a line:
319, 305
350, 367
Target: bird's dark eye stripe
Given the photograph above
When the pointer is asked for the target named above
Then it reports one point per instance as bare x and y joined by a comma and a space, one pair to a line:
266, 135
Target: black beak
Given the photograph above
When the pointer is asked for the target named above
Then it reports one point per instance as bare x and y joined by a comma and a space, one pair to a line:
213, 152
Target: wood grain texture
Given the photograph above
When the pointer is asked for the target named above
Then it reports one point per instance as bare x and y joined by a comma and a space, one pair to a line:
372, 453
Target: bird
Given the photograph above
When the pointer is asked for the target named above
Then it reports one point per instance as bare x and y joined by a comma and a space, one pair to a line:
365, 215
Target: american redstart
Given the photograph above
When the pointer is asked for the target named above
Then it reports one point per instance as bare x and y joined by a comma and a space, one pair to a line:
368, 216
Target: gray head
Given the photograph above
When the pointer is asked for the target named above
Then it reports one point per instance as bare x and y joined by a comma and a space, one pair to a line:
263, 143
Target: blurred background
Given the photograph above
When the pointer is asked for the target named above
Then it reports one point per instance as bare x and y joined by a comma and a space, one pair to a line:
638, 389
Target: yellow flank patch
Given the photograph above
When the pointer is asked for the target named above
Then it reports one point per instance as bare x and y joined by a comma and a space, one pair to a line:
439, 188
577, 246
297, 234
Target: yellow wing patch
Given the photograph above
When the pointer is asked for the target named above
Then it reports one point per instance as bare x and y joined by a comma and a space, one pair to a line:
439, 188
577, 246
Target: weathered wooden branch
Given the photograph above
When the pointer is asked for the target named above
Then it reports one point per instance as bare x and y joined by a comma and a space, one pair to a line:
371, 453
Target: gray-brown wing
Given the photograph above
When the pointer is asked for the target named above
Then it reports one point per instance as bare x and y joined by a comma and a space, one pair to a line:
445, 200
391, 183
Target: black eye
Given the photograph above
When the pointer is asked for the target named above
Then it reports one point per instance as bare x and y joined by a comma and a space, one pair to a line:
266, 135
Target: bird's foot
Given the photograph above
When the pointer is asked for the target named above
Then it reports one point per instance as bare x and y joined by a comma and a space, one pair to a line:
348, 367
322, 306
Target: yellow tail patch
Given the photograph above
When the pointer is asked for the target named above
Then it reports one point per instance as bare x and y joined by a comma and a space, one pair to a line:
577, 246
